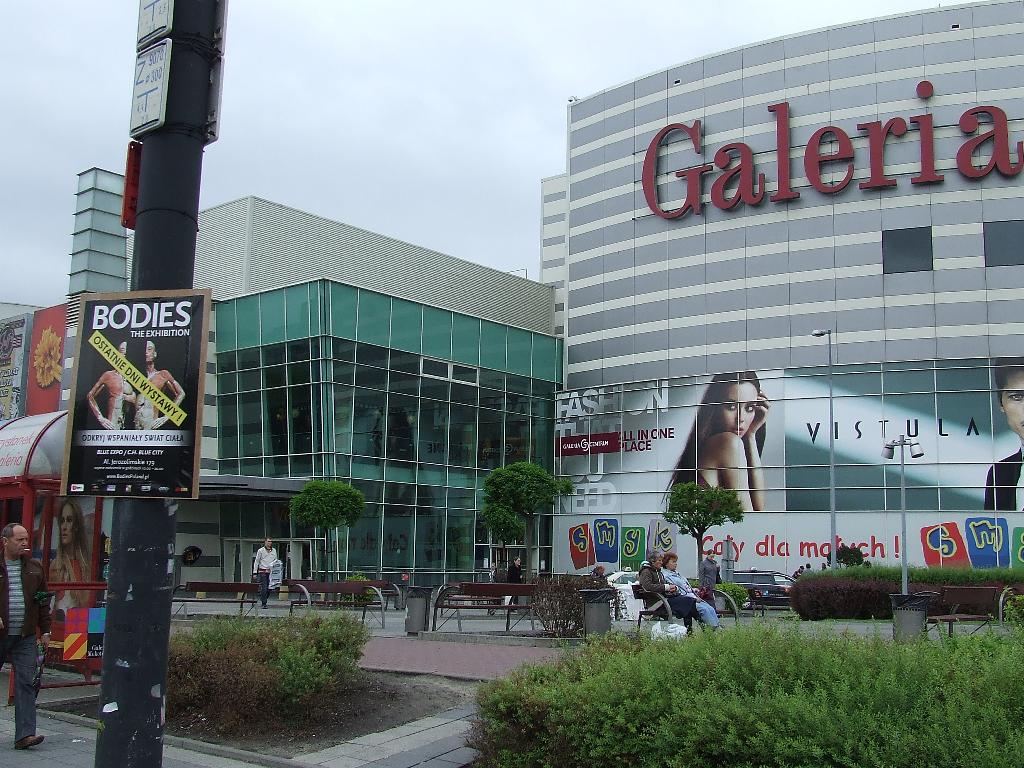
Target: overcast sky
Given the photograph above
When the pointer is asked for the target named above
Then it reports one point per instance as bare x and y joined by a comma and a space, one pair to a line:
432, 122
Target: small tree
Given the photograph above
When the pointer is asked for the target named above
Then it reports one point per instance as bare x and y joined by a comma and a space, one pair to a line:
513, 495
695, 509
327, 504
849, 556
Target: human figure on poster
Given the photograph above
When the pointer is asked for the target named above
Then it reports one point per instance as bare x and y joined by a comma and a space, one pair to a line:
146, 412
724, 447
71, 563
705, 610
1004, 476
24, 613
262, 563
652, 580
120, 396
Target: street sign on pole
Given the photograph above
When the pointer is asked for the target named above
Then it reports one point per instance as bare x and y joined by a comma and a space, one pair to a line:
149, 94
155, 19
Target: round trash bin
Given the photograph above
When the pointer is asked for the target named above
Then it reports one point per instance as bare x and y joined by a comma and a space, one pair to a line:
597, 614
909, 616
417, 609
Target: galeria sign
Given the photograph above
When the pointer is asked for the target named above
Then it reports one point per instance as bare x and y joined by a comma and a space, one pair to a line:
830, 150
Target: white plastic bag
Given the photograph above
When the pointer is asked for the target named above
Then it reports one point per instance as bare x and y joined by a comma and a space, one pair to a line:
666, 630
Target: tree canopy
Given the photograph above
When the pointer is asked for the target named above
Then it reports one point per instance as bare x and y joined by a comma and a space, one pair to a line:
696, 508
327, 504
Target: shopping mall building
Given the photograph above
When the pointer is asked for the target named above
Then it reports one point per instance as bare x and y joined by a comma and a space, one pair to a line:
863, 180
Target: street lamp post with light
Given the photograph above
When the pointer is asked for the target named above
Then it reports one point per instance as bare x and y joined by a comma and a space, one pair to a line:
831, 453
916, 452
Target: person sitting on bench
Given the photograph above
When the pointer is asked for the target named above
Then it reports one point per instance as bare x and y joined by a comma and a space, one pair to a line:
705, 611
652, 580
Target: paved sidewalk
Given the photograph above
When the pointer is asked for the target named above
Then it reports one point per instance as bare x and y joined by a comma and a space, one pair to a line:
464, 661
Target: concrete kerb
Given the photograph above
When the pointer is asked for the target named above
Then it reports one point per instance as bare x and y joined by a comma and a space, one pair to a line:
192, 745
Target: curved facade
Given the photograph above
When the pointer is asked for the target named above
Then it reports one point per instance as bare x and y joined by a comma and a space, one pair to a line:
863, 179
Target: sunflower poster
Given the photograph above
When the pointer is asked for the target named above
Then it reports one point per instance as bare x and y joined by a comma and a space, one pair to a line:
45, 361
14, 336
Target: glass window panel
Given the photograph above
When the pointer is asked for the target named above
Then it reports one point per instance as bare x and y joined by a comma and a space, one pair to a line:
298, 373
493, 353
298, 351
491, 399
857, 384
520, 384
860, 475
248, 358
314, 348
272, 317
401, 429
343, 466
227, 423
436, 389
542, 408
248, 380
275, 435
368, 422
400, 471
406, 325
372, 378
492, 379
253, 524
807, 500
462, 435
227, 382
520, 351
230, 519
400, 493
429, 538
544, 365
398, 536
435, 368
225, 325
517, 404
251, 423
342, 372
464, 373
373, 491
543, 446
301, 419
364, 542
434, 475
404, 383
407, 362
368, 354
229, 467
961, 379
252, 467
342, 419
297, 311
316, 290
273, 354
276, 466
368, 469
459, 540
860, 499
517, 439
274, 376
343, 311
544, 389
1003, 243
374, 325
466, 340
226, 362
433, 432
462, 498
489, 451
437, 332
906, 250
464, 393
247, 321
900, 382
342, 349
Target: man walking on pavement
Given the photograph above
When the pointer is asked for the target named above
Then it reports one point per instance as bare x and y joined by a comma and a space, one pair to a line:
265, 558
24, 610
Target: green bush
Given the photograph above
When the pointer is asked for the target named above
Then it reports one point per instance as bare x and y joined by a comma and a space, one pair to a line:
1014, 614
954, 577
214, 669
735, 591
761, 696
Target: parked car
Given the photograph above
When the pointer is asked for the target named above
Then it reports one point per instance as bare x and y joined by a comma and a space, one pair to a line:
771, 587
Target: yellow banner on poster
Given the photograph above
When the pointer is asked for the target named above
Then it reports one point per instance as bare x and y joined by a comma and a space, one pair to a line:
137, 378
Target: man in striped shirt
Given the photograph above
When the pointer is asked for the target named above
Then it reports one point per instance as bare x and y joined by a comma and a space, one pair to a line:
24, 611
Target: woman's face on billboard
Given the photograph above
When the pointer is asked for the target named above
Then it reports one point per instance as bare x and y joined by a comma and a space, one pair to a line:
1012, 402
738, 410
67, 524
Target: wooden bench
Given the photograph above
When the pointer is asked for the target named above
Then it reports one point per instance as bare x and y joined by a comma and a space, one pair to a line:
757, 600
978, 604
242, 593
488, 596
353, 595
660, 610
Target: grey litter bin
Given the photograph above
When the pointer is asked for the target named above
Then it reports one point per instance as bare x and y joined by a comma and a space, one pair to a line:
417, 609
597, 614
909, 616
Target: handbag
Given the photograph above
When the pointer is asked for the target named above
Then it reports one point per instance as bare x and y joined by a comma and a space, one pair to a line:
705, 593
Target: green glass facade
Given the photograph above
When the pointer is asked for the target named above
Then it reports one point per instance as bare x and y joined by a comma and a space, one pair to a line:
410, 403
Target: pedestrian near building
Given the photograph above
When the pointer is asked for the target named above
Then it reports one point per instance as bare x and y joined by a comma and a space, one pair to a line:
709, 573
264, 561
24, 612
515, 576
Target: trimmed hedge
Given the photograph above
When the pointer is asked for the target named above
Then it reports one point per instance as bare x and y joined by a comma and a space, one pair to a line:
863, 593
758, 696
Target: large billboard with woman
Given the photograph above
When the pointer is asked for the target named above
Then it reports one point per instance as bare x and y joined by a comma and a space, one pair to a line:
765, 434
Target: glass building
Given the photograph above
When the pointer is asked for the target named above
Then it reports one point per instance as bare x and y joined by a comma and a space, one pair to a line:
411, 404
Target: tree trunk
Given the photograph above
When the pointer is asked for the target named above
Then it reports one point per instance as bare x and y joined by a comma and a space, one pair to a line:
528, 541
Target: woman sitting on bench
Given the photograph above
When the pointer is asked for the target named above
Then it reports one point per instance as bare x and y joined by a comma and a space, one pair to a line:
705, 611
652, 580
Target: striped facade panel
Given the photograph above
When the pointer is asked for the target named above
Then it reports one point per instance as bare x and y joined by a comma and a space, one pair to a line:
740, 287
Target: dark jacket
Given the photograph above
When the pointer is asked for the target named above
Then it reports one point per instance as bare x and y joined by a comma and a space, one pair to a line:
1001, 484
515, 574
33, 580
651, 580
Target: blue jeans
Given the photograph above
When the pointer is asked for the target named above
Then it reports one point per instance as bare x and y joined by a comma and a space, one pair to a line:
264, 577
707, 614
21, 652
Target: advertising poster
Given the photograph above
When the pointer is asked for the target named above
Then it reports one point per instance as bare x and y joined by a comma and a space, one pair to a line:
71, 537
45, 362
15, 333
137, 395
